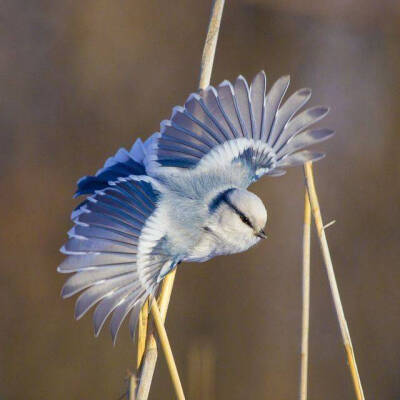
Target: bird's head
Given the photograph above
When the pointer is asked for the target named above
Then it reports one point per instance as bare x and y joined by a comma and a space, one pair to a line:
238, 216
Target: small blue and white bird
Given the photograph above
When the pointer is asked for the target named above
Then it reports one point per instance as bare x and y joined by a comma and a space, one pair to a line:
182, 195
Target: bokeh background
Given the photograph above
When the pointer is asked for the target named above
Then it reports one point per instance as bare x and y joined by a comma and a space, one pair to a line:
80, 79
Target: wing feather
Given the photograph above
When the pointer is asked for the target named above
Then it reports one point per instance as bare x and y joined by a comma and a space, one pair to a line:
300, 122
79, 231
300, 158
227, 103
303, 140
286, 112
211, 106
243, 106
258, 106
272, 103
82, 280
108, 304
173, 133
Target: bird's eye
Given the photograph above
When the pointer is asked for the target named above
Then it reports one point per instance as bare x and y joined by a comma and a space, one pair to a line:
245, 220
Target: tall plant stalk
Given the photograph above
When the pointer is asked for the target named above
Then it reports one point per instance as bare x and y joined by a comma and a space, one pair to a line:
305, 300
316, 212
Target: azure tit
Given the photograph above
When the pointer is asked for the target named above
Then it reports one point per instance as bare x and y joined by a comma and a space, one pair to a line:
182, 194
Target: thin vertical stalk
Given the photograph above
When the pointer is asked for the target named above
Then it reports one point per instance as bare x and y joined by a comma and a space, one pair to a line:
316, 212
207, 59
162, 334
141, 333
306, 299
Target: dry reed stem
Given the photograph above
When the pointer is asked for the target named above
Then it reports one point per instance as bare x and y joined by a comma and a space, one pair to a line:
207, 59
162, 335
207, 62
306, 299
332, 281
165, 294
147, 371
142, 332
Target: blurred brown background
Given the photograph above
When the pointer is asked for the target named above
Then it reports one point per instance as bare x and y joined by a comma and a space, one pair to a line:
80, 79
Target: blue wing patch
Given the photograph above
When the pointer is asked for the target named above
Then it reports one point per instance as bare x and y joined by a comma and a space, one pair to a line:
122, 164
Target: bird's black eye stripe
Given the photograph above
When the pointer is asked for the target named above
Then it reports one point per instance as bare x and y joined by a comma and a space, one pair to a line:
245, 220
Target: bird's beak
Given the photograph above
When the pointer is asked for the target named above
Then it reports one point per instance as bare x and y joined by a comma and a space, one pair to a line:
261, 234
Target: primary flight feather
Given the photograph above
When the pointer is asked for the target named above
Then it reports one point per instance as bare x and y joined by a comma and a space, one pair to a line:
182, 194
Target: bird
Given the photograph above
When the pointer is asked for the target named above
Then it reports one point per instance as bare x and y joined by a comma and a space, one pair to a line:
182, 195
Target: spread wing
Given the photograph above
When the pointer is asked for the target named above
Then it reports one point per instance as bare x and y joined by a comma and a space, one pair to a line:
115, 251
235, 123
